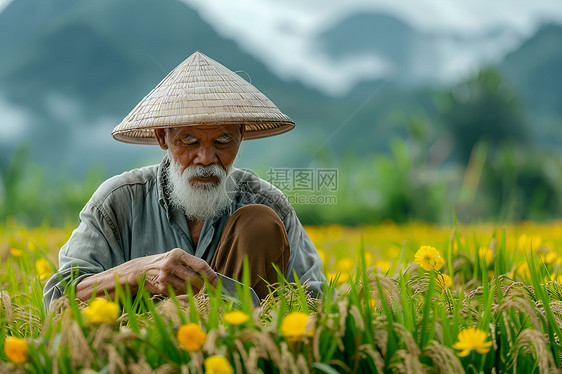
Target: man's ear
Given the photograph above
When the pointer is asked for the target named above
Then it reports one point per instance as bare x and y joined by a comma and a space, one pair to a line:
160, 135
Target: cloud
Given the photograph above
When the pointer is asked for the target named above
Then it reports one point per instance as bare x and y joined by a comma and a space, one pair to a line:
466, 34
4, 4
15, 122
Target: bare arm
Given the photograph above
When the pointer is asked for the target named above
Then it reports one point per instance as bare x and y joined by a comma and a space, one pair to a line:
171, 268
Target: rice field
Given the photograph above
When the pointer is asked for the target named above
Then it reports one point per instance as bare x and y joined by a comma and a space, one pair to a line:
413, 298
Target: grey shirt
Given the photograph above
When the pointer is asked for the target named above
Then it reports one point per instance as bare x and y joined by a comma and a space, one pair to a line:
129, 217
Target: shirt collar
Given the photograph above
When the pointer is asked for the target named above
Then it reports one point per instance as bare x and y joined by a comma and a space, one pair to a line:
161, 184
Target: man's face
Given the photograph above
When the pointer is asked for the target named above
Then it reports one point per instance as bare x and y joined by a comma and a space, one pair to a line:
200, 163
193, 146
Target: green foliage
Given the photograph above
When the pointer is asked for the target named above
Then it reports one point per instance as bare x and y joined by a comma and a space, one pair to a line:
32, 197
482, 108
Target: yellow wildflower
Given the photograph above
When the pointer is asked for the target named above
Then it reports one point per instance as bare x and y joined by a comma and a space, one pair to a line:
471, 339
217, 365
345, 265
343, 277
16, 349
550, 258
486, 254
31, 245
429, 258
16, 252
101, 311
191, 336
525, 242
295, 325
236, 318
383, 265
523, 270
444, 280
43, 268
556, 277
393, 252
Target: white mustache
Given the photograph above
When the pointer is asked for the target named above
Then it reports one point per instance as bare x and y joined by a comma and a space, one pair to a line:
201, 171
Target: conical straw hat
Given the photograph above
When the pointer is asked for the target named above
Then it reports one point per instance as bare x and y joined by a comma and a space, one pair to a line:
201, 91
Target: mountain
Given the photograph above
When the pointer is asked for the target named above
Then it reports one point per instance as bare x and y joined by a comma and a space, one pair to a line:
78, 64
535, 69
72, 69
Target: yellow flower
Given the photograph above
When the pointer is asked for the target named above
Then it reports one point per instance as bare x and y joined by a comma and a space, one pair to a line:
295, 325
429, 258
556, 277
191, 336
383, 265
444, 280
217, 365
101, 311
471, 339
16, 349
31, 245
236, 318
43, 268
345, 265
550, 258
368, 258
525, 242
343, 277
523, 270
393, 252
16, 252
486, 254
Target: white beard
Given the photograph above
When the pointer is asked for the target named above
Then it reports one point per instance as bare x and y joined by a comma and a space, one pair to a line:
202, 200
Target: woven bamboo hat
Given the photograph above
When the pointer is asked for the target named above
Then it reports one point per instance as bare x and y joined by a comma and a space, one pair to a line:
201, 91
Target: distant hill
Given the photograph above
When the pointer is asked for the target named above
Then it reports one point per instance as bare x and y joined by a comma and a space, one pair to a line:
96, 60
77, 67
535, 69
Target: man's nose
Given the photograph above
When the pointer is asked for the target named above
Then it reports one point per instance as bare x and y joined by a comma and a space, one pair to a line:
206, 156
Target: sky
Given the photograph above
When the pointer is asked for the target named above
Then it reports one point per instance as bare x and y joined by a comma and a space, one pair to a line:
467, 34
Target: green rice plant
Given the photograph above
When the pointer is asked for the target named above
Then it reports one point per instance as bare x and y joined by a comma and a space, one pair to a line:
378, 321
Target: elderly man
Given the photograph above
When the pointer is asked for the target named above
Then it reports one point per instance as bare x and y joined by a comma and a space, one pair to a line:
194, 215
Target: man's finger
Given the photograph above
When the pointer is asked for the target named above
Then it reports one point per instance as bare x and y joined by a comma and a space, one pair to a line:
201, 267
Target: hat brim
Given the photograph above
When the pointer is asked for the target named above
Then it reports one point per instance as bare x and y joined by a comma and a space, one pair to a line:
253, 130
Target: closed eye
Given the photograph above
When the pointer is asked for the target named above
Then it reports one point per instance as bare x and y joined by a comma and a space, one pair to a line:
189, 140
223, 139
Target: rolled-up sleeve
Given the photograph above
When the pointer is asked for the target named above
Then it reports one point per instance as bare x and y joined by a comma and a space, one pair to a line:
305, 260
92, 248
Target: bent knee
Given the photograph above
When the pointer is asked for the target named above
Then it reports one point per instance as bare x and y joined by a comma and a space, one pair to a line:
258, 223
259, 216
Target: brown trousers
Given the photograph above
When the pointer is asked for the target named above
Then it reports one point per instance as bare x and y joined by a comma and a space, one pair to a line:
257, 232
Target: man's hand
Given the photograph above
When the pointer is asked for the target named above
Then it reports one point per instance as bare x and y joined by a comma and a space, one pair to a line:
174, 268
171, 268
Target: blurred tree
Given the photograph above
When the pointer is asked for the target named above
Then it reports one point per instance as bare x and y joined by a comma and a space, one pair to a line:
483, 108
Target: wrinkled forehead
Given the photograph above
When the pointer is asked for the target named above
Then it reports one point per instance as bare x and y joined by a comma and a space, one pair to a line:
199, 131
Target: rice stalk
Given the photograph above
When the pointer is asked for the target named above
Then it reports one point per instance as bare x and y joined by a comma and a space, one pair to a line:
443, 358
